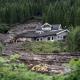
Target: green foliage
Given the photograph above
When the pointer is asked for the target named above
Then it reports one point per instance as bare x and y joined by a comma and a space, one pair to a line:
4, 28
21, 72
75, 73
45, 47
18, 71
14, 57
65, 12
1, 48
74, 39
75, 64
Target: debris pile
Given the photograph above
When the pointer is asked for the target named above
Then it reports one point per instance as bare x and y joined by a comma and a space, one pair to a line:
40, 68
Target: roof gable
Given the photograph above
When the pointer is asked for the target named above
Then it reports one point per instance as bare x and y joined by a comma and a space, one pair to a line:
46, 25
66, 30
44, 30
56, 27
31, 34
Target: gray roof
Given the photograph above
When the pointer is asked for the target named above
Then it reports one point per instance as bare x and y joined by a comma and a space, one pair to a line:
53, 27
38, 32
38, 28
32, 34
56, 26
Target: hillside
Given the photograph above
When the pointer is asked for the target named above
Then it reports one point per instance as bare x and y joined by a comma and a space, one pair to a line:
39, 39
65, 12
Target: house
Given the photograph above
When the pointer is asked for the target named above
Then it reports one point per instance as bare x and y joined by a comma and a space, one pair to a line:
46, 32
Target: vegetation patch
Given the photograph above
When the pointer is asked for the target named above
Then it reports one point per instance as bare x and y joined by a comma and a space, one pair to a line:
45, 47
1, 48
4, 28
74, 39
15, 70
52, 11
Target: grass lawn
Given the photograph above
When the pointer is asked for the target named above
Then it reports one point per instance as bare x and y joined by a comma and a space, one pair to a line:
45, 47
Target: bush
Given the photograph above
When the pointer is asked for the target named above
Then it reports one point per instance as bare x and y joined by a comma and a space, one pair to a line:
1, 48
75, 73
45, 47
20, 71
14, 57
4, 28
74, 39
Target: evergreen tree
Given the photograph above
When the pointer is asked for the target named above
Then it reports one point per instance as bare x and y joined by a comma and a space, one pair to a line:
65, 12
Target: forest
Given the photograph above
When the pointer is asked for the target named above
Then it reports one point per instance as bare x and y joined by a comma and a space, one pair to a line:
65, 12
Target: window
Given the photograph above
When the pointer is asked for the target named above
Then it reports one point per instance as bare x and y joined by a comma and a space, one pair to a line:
59, 36
64, 37
41, 39
37, 39
52, 38
48, 38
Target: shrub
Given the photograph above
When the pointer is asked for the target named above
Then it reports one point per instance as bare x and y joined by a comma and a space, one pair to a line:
4, 28
22, 73
45, 47
74, 39
19, 73
14, 57
1, 48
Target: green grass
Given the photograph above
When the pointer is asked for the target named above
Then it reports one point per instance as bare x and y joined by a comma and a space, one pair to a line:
45, 47
1, 48
11, 70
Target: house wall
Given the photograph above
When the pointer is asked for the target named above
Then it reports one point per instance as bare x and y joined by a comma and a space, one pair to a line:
46, 28
48, 38
53, 38
29, 39
61, 36
23, 39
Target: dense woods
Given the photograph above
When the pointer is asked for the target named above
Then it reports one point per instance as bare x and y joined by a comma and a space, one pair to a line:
65, 12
